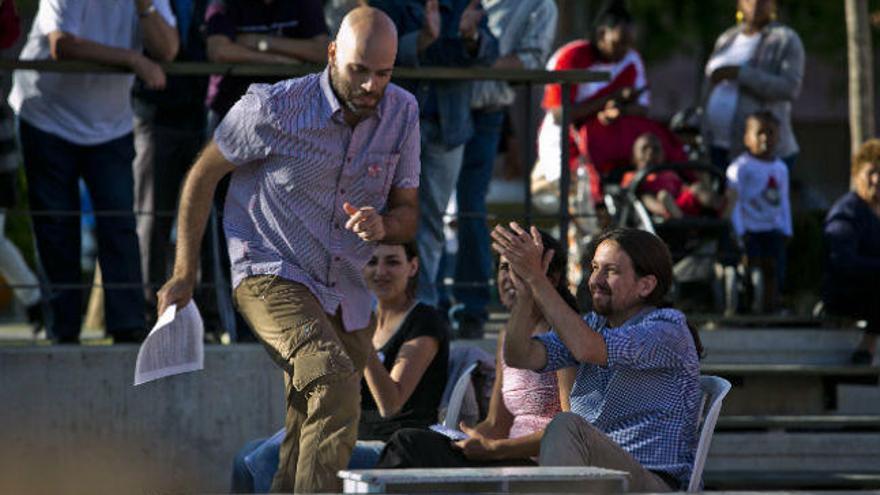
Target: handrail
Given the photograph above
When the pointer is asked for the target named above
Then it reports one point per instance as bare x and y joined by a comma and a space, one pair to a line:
522, 76
528, 77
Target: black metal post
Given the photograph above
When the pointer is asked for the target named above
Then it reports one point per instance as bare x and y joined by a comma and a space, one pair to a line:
565, 175
530, 152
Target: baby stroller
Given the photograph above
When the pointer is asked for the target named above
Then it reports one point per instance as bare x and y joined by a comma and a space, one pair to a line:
700, 244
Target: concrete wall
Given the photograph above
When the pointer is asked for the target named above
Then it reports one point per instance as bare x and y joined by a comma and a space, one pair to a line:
72, 422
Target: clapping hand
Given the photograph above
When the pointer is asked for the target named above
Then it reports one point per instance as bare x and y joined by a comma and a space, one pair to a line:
470, 20
524, 251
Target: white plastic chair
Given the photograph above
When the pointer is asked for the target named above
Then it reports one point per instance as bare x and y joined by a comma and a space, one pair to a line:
714, 389
456, 398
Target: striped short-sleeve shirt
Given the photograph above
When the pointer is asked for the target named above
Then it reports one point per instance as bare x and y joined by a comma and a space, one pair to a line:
647, 397
297, 163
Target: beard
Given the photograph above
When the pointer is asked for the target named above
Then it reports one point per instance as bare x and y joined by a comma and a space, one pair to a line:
346, 94
602, 303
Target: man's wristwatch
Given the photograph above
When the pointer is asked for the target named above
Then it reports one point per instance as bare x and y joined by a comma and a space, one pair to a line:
147, 11
263, 45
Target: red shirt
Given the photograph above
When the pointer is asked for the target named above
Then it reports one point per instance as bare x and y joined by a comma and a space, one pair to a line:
604, 148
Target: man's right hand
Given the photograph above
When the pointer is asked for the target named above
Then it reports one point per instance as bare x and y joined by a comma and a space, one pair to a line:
177, 290
150, 72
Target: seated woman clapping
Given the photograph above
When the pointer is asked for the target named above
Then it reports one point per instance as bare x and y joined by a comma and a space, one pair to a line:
522, 402
404, 378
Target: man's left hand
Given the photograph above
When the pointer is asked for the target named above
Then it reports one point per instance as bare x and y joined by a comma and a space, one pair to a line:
364, 221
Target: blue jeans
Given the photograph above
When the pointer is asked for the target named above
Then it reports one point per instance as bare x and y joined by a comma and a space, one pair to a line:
769, 245
440, 167
53, 166
473, 266
255, 464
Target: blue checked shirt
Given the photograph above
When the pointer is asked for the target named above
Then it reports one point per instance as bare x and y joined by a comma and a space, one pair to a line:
297, 162
647, 398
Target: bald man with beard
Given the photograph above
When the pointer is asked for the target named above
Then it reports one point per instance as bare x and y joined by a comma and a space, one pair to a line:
323, 167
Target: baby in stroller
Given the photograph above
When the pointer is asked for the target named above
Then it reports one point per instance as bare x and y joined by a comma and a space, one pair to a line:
665, 193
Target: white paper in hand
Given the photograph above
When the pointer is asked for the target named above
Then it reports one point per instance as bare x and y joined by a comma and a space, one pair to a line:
174, 345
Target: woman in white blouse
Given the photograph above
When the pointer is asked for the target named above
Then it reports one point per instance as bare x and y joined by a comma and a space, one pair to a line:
756, 65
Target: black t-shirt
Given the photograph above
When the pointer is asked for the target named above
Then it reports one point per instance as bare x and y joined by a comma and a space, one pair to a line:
301, 19
420, 410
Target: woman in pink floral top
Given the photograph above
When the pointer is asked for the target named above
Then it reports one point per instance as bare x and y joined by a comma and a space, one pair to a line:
522, 403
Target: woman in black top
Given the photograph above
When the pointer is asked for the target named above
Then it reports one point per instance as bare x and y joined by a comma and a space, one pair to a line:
404, 378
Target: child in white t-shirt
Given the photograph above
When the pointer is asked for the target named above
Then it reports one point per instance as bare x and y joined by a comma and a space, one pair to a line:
762, 215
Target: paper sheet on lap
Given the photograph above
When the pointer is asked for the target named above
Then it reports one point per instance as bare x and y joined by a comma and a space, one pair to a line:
454, 435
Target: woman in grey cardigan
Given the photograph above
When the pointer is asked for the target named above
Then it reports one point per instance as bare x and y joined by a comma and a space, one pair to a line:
756, 65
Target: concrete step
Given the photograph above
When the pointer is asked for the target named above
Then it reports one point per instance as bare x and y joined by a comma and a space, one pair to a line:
819, 423
789, 389
858, 399
788, 481
807, 452
798, 345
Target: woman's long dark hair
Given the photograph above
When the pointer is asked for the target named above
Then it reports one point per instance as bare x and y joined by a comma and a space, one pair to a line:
557, 268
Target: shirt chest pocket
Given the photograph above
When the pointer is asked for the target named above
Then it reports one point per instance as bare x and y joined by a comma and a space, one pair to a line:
378, 172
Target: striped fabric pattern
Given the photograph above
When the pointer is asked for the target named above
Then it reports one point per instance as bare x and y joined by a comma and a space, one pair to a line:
297, 163
647, 398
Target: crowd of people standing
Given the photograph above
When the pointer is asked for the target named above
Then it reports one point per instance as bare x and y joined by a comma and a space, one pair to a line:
325, 180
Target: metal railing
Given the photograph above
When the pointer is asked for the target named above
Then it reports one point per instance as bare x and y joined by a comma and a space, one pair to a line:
526, 77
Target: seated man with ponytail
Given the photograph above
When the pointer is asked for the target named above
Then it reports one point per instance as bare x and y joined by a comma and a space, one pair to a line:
636, 396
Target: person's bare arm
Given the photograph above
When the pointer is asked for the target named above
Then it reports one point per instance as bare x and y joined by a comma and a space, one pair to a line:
402, 217
479, 448
565, 382
498, 419
160, 38
508, 62
520, 349
482, 447
65, 46
585, 344
305, 49
195, 207
392, 390
221, 49
625, 99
